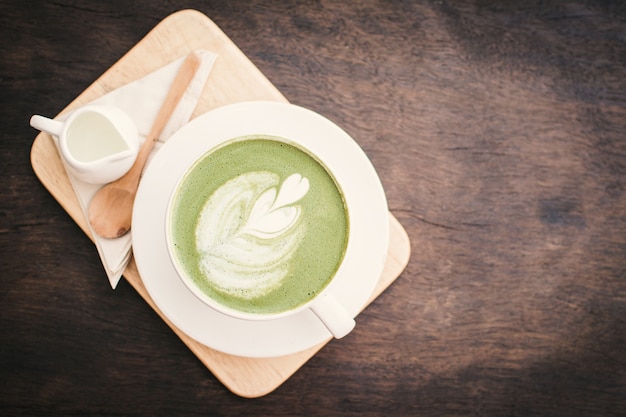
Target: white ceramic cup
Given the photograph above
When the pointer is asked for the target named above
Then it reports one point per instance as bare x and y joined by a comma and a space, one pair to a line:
99, 143
325, 306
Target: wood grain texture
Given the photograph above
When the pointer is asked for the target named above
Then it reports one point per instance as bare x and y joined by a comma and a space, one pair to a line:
498, 130
246, 377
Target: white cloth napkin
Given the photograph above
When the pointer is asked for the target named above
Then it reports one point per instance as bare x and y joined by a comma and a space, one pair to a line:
141, 100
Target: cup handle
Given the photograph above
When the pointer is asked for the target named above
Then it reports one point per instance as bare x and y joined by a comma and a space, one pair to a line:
334, 316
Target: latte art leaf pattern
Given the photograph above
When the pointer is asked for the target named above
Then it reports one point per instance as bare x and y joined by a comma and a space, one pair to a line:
248, 231
271, 215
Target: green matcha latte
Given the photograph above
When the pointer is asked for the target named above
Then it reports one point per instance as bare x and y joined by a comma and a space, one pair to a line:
258, 225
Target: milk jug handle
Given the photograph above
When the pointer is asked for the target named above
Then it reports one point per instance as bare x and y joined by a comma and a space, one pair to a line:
47, 125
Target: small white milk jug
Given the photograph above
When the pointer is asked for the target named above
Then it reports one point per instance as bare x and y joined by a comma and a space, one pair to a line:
98, 142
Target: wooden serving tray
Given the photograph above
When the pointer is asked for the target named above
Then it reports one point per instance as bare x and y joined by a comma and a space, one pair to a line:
234, 78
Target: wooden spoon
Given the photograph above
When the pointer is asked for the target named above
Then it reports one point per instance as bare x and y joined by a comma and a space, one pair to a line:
111, 209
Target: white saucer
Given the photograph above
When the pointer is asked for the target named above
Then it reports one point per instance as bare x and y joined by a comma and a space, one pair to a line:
368, 220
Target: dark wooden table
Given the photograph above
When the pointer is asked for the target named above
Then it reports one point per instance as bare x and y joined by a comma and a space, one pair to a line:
499, 132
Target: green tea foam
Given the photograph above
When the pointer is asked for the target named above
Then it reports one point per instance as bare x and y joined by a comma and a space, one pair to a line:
259, 225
